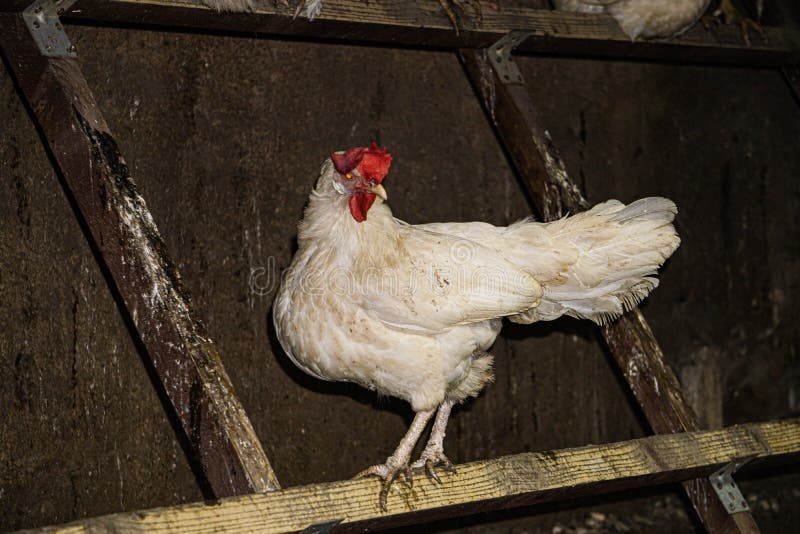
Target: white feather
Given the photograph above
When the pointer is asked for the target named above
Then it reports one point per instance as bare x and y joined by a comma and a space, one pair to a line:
312, 9
230, 5
409, 310
647, 19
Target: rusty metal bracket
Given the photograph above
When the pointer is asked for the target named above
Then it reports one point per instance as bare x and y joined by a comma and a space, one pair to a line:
726, 489
41, 17
500, 56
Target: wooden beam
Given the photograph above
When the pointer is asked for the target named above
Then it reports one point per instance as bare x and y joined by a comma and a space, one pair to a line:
128, 244
504, 482
422, 23
656, 387
630, 340
792, 75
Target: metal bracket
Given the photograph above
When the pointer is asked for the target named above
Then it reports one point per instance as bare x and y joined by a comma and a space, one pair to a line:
500, 56
41, 17
726, 489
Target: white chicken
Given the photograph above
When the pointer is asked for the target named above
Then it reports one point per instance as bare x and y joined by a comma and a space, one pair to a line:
411, 310
651, 19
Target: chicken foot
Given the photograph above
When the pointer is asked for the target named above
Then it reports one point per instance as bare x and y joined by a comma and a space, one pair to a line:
397, 463
728, 13
447, 6
433, 455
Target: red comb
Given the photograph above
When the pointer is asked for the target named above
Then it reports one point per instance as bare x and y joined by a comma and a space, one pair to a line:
372, 162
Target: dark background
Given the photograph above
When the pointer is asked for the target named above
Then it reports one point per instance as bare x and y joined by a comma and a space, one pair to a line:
224, 137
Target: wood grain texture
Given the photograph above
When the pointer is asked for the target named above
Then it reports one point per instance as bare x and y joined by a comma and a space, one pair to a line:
475, 487
702, 386
629, 338
184, 359
792, 75
655, 385
424, 23
557, 389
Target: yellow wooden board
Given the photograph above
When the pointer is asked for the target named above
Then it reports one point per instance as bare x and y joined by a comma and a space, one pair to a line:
478, 486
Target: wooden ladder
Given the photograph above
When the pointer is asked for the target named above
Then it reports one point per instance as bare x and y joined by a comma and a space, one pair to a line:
188, 368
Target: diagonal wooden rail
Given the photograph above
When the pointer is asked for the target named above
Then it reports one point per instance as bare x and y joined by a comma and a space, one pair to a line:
510, 108
792, 75
506, 482
122, 231
422, 23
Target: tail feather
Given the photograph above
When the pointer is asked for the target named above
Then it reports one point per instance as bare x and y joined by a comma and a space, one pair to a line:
614, 251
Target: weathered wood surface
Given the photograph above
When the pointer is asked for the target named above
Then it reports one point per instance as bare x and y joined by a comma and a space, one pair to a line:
702, 386
424, 23
504, 482
792, 75
656, 387
121, 230
629, 339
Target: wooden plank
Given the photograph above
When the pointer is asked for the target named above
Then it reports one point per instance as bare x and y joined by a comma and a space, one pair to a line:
422, 23
630, 340
127, 243
656, 387
505, 482
702, 385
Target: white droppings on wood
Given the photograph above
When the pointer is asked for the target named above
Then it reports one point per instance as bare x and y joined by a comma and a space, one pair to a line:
633, 368
119, 472
136, 222
134, 107
487, 87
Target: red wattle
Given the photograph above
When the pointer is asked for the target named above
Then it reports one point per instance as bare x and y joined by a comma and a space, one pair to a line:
360, 204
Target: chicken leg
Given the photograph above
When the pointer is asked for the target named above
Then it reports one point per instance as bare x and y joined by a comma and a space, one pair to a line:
728, 13
398, 462
433, 454
447, 6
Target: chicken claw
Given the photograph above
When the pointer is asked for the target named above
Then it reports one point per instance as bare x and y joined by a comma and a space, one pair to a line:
433, 454
397, 463
431, 460
447, 7
727, 13
389, 472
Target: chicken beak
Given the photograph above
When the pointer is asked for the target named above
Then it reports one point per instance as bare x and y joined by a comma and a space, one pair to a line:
379, 190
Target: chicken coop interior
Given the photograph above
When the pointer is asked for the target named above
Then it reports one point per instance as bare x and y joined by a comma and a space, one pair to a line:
157, 155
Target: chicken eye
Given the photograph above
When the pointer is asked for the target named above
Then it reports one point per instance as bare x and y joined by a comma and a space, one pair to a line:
348, 176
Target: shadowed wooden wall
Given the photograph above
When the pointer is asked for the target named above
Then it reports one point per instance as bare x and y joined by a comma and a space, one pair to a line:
224, 136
